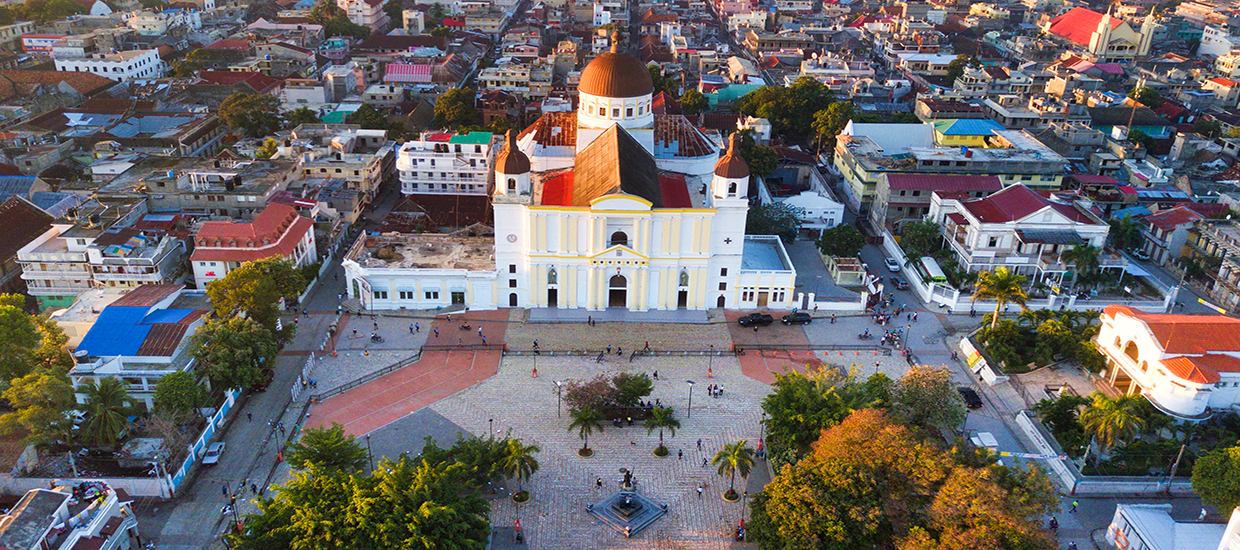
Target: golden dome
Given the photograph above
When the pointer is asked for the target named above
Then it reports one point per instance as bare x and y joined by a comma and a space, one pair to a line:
617, 75
511, 160
731, 165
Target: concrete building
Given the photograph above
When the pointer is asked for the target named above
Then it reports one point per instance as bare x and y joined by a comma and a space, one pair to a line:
120, 66
367, 13
187, 185
277, 232
1151, 527
901, 197
63, 518
1166, 233
447, 163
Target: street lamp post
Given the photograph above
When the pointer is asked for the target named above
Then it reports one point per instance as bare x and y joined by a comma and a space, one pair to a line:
559, 387
491, 428
689, 410
369, 456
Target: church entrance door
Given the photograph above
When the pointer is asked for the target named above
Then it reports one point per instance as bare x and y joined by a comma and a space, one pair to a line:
553, 297
762, 298
617, 292
682, 299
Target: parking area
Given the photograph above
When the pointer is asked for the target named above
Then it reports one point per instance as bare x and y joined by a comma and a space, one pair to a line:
812, 274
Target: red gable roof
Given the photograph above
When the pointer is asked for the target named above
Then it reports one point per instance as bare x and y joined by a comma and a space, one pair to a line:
1168, 220
1078, 25
1180, 334
1017, 202
274, 232
937, 182
256, 81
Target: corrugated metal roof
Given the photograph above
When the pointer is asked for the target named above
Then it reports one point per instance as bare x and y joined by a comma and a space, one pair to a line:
944, 182
967, 127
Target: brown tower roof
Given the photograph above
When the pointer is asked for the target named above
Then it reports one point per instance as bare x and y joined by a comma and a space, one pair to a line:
511, 160
614, 74
731, 165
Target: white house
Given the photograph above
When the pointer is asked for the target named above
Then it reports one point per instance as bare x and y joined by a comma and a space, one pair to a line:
447, 163
1151, 527
1185, 365
118, 66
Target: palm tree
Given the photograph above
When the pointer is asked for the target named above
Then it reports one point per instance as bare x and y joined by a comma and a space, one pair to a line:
1033, 317
1084, 259
107, 409
731, 458
661, 417
1002, 286
585, 422
1112, 421
519, 461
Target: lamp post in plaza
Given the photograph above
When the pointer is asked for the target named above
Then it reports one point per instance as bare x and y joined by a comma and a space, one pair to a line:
559, 387
369, 456
689, 410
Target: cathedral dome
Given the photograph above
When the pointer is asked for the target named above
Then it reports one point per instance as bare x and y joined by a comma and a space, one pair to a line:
731, 165
511, 160
616, 75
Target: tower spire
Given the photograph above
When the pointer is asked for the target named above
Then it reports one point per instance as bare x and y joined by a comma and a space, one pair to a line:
615, 41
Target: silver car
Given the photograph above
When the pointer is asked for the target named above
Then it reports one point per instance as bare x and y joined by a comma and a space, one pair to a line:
213, 453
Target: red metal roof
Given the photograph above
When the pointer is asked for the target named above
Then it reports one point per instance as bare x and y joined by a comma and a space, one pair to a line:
274, 233
147, 295
1186, 334
675, 191
1168, 220
677, 133
558, 190
1017, 202
554, 129
944, 182
1078, 25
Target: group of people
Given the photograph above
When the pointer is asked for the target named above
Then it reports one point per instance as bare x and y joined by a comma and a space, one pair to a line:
892, 337
715, 390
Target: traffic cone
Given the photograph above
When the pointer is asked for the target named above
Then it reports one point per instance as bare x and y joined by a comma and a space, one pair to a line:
710, 373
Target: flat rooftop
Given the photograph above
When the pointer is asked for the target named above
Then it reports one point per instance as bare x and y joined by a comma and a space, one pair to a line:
427, 251
764, 253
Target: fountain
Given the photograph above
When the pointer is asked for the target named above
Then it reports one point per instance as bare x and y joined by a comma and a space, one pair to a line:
627, 511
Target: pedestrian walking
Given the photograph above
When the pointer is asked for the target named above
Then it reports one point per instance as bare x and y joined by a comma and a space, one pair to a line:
699, 443
484, 342
224, 488
703, 462
479, 331
254, 488
436, 332
656, 375
417, 327
608, 349
914, 316
647, 348
680, 455
630, 419
376, 323
1073, 509
410, 329
1054, 524
598, 482
590, 321
755, 329
619, 352
833, 318
699, 492
249, 416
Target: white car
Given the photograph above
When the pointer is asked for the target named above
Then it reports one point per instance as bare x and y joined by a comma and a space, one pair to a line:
893, 265
1141, 255
213, 453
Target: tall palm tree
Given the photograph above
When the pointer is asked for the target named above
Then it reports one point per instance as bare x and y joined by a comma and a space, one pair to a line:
662, 418
1002, 286
731, 458
586, 421
519, 461
1084, 259
1112, 421
107, 409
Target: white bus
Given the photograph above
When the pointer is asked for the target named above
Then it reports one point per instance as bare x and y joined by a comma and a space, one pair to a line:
932, 271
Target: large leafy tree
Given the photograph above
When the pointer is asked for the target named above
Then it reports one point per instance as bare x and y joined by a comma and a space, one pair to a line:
107, 409
829, 122
40, 400
255, 288
234, 352
841, 240
663, 83
776, 218
456, 108
595, 393
327, 449
1084, 260
693, 102
302, 115
1125, 233
956, 68
178, 394
1216, 478
802, 405
412, 504
395, 11
1146, 96
631, 388
19, 338
256, 115
733, 458
789, 108
926, 396
1002, 286
920, 238
1112, 421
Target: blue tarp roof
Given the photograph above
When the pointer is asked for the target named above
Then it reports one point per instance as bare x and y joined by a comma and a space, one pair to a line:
117, 331
1131, 211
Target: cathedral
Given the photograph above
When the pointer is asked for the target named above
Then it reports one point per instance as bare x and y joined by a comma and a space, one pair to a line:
612, 206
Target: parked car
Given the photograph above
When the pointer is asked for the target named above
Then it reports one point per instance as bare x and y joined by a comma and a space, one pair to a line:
213, 453
261, 386
893, 265
755, 319
971, 398
899, 283
1141, 255
797, 318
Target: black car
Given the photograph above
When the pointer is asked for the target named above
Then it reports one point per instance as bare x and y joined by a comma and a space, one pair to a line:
797, 318
755, 319
899, 283
971, 398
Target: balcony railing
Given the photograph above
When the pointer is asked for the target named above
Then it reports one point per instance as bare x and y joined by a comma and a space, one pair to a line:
141, 277
56, 290
56, 275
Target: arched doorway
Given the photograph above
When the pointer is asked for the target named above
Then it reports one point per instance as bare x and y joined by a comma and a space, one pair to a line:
721, 302
512, 300
617, 292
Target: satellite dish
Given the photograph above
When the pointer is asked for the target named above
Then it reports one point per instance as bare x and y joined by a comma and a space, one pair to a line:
80, 353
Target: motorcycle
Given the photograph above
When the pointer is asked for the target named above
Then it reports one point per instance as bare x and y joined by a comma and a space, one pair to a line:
865, 336
376, 338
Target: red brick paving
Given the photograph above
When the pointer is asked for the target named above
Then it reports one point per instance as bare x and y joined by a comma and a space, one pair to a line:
437, 375
761, 365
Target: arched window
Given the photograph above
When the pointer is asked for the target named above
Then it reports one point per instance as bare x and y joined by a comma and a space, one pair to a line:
1145, 366
684, 278
552, 277
617, 281
619, 238
1131, 350
732, 189
512, 184
721, 302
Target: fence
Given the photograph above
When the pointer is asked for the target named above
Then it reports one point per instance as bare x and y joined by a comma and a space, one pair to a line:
135, 486
200, 445
369, 377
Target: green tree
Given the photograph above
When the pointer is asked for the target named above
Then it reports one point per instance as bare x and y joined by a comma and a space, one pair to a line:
802, 405
1062, 416
829, 122
1002, 286
302, 115
1112, 421
762, 160
256, 115
1053, 337
1216, 478
519, 462
788, 108
179, 394
1146, 96
585, 422
733, 458
43, 11
1125, 233
456, 107
1141, 138
920, 238
255, 288
371, 119
19, 338
926, 396
1084, 260
776, 218
233, 352
693, 102
51, 353
663, 83
107, 409
662, 418
326, 449
395, 11
631, 388
1208, 128
341, 26
841, 240
267, 150
956, 68
40, 401
184, 68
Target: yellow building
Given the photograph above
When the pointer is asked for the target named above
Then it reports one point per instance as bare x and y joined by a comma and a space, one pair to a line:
967, 132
